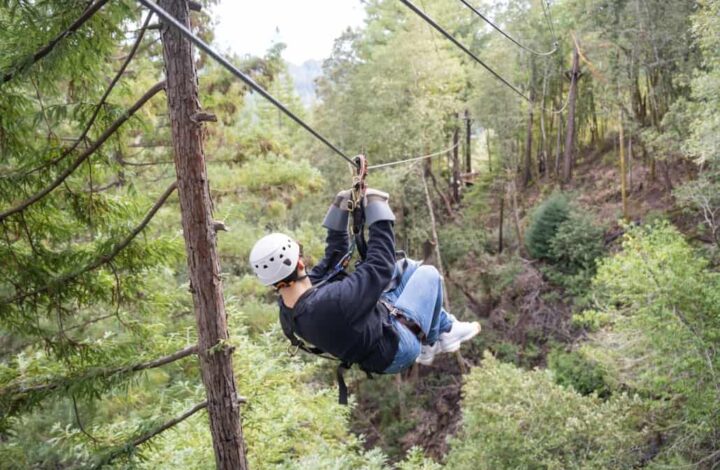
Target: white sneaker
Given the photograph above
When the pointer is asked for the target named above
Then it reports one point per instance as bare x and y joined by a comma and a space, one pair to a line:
427, 353
460, 332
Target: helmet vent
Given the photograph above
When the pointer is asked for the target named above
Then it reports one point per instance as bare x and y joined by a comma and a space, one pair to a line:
287, 262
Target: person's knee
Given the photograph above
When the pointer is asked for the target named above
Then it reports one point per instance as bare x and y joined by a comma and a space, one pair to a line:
428, 272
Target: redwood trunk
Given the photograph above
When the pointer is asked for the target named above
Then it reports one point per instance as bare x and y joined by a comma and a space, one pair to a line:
568, 159
200, 245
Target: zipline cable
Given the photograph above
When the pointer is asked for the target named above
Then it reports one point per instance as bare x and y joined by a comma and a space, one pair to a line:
449, 36
239, 74
413, 159
510, 38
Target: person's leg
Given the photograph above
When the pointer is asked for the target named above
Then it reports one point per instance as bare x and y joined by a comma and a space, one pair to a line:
421, 300
412, 265
408, 349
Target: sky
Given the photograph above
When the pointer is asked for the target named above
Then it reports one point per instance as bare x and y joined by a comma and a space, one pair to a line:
307, 27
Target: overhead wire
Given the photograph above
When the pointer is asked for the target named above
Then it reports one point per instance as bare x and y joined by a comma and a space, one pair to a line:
450, 37
510, 38
414, 159
467, 51
169, 19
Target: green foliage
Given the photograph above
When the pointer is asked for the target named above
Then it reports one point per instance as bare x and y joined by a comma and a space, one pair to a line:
574, 370
664, 303
577, 243
544, 224
457, 243
521, 419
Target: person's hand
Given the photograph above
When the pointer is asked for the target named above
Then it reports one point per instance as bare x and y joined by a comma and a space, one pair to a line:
337, 214
377, 206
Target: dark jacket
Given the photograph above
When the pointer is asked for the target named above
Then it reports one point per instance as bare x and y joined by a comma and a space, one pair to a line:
343, 317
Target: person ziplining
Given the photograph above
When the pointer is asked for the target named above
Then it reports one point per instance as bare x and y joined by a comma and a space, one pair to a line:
387, 314
384, 316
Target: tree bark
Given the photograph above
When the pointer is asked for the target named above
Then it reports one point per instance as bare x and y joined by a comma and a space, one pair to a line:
623, 173
568, 160
200, 245
502, 221
527, 166
468, 149
456, 164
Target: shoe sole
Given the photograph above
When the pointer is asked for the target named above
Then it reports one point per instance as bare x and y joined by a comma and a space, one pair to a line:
425, 362
455, 345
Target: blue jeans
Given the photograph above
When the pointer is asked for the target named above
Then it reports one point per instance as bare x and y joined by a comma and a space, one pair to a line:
419, 295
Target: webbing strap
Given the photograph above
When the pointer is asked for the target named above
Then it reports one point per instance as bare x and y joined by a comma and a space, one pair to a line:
342, 386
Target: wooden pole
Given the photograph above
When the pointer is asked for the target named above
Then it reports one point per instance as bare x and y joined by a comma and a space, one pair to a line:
215, 354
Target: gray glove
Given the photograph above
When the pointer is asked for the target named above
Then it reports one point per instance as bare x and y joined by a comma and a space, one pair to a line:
377, 207
337, 214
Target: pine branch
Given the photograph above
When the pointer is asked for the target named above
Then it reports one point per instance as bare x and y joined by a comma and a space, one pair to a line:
83, 135
46, 49
86, 154
103, 259
99, 373
109, 457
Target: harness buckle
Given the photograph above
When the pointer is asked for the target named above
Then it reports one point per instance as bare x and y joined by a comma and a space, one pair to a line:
293, 349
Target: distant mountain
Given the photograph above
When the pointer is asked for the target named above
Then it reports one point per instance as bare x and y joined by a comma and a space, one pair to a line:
304, 79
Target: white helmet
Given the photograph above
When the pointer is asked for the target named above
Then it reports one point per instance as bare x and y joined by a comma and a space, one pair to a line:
274, 257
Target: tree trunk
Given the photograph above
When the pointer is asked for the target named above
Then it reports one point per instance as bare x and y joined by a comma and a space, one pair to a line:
456, 163
487, 143
623, 174
468, 149
527, 166
200, 245
502, 221
568, 160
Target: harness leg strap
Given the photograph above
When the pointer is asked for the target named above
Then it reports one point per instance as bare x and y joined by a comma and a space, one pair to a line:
342, 387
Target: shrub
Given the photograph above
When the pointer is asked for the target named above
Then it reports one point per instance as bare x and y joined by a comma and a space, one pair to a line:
577, 243
514, 418
457, 242
664, 304
582, 374
544, 224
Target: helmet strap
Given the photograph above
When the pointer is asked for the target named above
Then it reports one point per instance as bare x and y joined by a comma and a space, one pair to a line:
283, 284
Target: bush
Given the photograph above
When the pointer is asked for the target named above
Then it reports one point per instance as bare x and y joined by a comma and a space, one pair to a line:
514, 418
574, 370
456, 243
664, 304
544, 224
577, 243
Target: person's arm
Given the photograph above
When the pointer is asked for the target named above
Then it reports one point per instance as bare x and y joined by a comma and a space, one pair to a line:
336, 242
336, 245
359, 292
